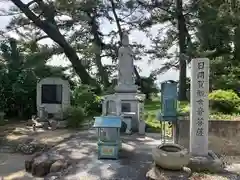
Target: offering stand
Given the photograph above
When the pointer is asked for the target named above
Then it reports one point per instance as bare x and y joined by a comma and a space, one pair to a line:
169, 109
108, 131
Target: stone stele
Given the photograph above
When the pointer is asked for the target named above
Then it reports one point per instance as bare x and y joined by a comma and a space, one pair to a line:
202, 159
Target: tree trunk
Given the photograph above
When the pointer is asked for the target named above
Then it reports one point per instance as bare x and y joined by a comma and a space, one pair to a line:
98, 59
236, 45
182, 50
53, 32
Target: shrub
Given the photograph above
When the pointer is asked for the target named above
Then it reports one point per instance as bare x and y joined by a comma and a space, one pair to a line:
226, 101
75, 116
183, 107
84, 96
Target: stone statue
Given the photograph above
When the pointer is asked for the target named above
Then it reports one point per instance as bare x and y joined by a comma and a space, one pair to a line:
125, 65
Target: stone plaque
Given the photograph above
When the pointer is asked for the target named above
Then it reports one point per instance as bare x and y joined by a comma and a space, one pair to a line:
199, 113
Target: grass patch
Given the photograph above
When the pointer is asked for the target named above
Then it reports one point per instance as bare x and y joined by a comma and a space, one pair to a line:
224, 117
153, 107
150, 116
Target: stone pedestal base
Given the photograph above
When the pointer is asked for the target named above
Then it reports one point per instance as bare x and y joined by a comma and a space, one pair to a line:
157, 173
125, 88
210, 163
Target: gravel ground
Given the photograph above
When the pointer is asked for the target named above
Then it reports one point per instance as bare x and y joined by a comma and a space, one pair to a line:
134, 162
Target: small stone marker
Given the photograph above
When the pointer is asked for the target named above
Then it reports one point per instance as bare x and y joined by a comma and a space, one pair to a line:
199, 112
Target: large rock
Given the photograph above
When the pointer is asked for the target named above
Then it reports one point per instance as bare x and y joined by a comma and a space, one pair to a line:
58, 166
29, 161
28, 164
210, 163
45, 125
40, 165
157, 173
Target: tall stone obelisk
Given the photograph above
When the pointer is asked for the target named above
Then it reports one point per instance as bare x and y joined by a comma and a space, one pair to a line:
199, 113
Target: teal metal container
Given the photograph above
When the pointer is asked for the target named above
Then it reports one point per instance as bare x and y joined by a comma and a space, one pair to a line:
108, 146
169, 101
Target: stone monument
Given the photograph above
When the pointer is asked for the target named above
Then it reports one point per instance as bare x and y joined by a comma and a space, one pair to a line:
199, 114
53, 95
202, 159
125, 101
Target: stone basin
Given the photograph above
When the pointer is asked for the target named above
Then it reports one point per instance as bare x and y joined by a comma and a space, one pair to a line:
170, 156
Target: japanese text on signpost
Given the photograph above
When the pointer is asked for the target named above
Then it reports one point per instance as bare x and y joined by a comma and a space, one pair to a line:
199, 110
199, 99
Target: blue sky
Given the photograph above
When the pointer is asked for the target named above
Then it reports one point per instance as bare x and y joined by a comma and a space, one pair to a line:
135, 36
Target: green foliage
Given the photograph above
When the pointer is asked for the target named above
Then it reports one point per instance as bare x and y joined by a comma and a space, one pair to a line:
224, 101
224, 74
153, 107
20, 70
183, 108
205, 26
84, 96
75, 116
148, 85
219, 30
222, 116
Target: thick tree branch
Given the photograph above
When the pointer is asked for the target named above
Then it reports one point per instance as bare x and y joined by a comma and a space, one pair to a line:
100, 46
181, 26
53, 32
116, 19
41, 38
30, 3
156, 4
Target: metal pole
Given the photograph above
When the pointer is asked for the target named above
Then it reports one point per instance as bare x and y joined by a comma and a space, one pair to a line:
177, 131
164, 132
161, 131
173, 132
98, 134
